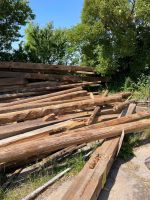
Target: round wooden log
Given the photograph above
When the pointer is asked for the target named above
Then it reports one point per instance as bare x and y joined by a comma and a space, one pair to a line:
27, 149
41, 97
43, 102
56, 109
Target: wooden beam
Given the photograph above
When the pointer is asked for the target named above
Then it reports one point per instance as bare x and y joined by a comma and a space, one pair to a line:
41, 97
93, 115
12, 81
42, 103
56, 109
22, 127
58, 87
65, 78
90, 180
28, 149
42, 67
4, 97
45, 131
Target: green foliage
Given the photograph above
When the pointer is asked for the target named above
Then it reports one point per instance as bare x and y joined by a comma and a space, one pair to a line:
114, 36
37, 179
13, 15
129, 142
140, 87
47, 45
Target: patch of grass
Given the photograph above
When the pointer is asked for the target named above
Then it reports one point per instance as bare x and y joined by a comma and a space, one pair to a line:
129, 142
31, 182
77, 163
36, 180
140, 88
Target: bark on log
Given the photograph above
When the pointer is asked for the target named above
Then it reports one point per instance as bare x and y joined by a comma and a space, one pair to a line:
46, 88
98, 167
45, 131
22, 127
49, 117
120, 106
42, 103
41, 97
56, 109
50, 144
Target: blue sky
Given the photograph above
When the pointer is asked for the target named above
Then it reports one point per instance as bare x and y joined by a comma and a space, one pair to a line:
63, 13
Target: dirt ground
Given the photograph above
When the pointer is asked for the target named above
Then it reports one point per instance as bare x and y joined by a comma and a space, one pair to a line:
126, 181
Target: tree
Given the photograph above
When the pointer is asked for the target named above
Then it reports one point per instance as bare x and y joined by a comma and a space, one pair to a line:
13, 15
113, 36
47, 45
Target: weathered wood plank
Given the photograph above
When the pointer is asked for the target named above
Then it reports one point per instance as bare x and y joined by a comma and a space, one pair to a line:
37, 98
30, 148
31, 88
91, 179
62, 108
42, 103
42, 67
12, 81
93, 115
89, 182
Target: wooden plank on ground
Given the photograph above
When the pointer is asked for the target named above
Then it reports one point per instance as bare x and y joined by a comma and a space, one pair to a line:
92, 178
56, 109
43, 103
31, 148
22, 127
41, 97
31, 88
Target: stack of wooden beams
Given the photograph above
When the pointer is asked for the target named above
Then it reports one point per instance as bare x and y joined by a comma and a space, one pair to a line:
56, 123
38, 126
30, 79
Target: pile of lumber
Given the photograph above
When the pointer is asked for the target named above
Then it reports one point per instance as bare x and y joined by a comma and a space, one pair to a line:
55, 124
30, 79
